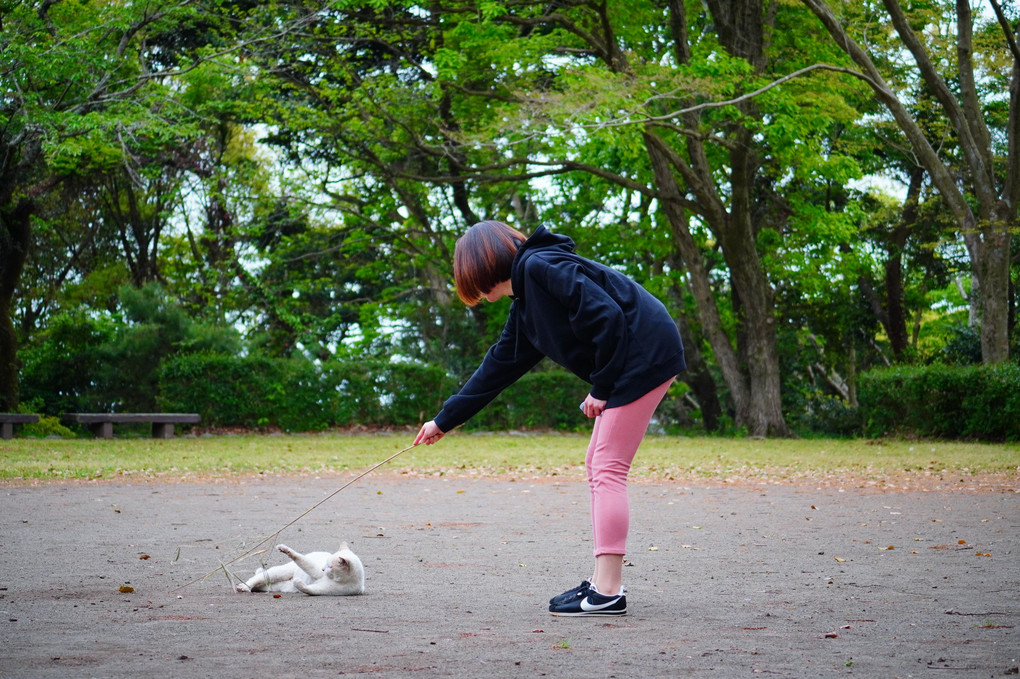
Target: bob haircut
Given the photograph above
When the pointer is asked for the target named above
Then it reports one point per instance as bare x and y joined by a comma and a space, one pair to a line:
483, 257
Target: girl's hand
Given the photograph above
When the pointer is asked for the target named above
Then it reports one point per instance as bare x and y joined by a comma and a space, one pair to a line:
593, 407
428, 434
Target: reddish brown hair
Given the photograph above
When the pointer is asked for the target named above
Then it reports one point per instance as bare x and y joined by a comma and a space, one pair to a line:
483, 257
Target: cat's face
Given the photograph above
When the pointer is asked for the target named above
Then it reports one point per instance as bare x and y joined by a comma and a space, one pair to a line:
343, 565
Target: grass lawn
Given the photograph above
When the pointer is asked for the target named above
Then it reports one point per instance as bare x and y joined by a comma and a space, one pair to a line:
724, 460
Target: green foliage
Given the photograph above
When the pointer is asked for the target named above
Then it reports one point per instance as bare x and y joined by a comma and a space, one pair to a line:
85, 363
243, 392
827, 416
972, 402
539, 400
306, 188
155, 329
60, 370
298, 395
48, 425
963, 346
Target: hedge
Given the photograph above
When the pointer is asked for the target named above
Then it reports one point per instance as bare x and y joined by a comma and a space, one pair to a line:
971, 402
298, 395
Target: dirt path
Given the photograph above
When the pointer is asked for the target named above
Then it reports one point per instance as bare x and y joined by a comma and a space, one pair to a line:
787, 580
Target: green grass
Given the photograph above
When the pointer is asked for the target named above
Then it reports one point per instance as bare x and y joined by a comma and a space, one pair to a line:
482, 455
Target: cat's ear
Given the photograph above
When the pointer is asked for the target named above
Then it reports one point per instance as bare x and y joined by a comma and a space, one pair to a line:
343, 546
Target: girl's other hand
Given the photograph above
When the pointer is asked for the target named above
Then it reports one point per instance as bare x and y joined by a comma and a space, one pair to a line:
593, 407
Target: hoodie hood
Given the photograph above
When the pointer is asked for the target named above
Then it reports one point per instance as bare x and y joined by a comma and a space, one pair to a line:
541, 239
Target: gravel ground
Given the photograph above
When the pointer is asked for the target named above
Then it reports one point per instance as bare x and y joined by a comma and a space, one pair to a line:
105, 579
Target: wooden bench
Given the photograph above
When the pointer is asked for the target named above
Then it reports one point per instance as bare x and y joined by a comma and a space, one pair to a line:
101, 424
8, 420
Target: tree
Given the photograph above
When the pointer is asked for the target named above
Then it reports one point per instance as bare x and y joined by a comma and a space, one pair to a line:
364, 121
715, 172
81, 83
978, 175
465, 102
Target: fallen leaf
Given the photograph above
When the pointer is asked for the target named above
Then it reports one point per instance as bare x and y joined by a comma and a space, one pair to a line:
126, 589
831, 635
891, 547
277, 596
961, 542
836, 558
143, 557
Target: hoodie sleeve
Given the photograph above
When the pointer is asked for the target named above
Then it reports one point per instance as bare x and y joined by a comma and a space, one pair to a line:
595, 317
506, 362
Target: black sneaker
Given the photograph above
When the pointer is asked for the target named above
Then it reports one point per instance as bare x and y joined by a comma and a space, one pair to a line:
592, 604
572, 594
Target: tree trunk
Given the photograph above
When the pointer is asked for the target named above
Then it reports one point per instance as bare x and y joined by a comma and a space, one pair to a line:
701, 287
895, 315
15, 231
699, 379
993, 265
757, 394
765, 412
741, 28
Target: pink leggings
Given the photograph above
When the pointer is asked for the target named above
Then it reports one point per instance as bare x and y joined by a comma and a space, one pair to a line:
614, 441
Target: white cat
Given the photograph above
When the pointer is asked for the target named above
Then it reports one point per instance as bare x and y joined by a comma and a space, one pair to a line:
339, 574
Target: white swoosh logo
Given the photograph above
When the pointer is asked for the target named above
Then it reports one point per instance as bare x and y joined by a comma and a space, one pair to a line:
585, 606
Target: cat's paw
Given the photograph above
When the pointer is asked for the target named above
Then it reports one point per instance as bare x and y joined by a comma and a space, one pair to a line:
285, 549
242, 587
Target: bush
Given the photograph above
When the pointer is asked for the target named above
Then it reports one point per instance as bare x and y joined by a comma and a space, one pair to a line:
382, 393
979, 402
48, 425
963, 347
539, 400
60, 372
244, 391
296, 394
107, 363
829, 415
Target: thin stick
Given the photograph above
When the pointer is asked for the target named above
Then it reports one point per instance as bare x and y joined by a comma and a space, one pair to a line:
228, 574
298, 518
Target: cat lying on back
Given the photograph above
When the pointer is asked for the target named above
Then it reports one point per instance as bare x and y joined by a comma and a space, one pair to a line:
322, 573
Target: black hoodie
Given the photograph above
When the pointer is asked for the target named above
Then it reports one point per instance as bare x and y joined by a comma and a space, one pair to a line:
592, 320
